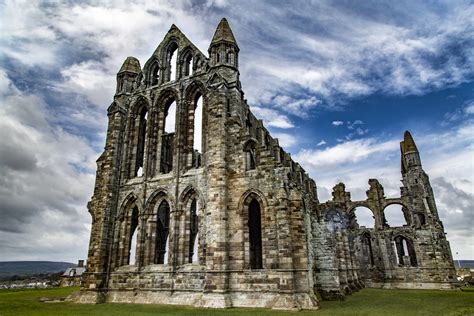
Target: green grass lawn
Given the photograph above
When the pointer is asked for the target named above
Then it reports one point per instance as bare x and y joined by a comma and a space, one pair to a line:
365, 302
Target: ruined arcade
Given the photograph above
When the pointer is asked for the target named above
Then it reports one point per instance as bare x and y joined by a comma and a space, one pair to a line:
225, 217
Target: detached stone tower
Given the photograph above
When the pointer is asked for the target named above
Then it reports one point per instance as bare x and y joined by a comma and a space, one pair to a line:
195, 203
217, 226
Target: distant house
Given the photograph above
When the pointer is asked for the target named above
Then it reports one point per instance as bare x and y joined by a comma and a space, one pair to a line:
72, 276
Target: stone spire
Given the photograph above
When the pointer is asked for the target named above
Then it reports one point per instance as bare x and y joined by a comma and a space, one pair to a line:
223, 34
223, 50
409, 153
408, 144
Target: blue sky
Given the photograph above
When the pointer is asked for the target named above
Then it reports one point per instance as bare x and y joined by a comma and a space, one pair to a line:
336, 81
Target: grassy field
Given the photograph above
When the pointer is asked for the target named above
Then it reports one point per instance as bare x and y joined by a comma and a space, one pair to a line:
365, 302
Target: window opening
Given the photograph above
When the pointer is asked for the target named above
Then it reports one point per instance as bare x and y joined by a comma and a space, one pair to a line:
197, 132
394, 215
193, 233
255, 235
166, 163
132, 249
363, 217
140, 154
162, 232
173, 60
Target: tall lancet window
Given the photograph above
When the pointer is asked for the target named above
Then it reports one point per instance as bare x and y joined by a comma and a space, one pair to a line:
255, 235
132, 238
367, 248
162, 233
193, 232
250, 156
141, 133
166, 162
172, 61
188, 65
197, 132
155, 74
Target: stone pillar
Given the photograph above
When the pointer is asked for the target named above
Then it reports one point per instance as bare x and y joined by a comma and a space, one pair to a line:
216, 285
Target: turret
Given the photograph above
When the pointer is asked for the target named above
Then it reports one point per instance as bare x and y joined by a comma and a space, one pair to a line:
128, 76
409, 153
223, 50
416, 183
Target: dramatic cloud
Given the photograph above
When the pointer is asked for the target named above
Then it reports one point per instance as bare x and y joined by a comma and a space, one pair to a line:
334, 51
46, 177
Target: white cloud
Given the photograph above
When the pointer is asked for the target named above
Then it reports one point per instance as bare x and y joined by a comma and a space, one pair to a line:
272, 118
295, 106
91, 79
321, 143
337, 123
353, 125
469, 109
348, 152
286, 140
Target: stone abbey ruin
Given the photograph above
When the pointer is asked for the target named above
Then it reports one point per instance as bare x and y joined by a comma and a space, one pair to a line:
234, 221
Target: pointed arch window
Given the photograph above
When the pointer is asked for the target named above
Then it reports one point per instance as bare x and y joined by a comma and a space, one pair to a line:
188, 65
132, 237
169, 126
162, 233
405, 252
141, 140
154, 74
172, 61
250, 156
193, 232
367, 248
255, 234
197, 131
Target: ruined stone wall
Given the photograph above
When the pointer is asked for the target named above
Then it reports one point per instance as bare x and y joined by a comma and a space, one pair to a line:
240, 164
416, 255
239, 223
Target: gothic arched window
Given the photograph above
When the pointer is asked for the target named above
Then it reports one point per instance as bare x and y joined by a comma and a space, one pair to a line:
172, 61
405, 253
154, 74
193, 232
132, 236
255, 234
367, 248
141, 135
188, 65
162, 232
250, 156
169, 126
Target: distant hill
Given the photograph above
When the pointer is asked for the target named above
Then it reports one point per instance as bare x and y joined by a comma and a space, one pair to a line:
22, 268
